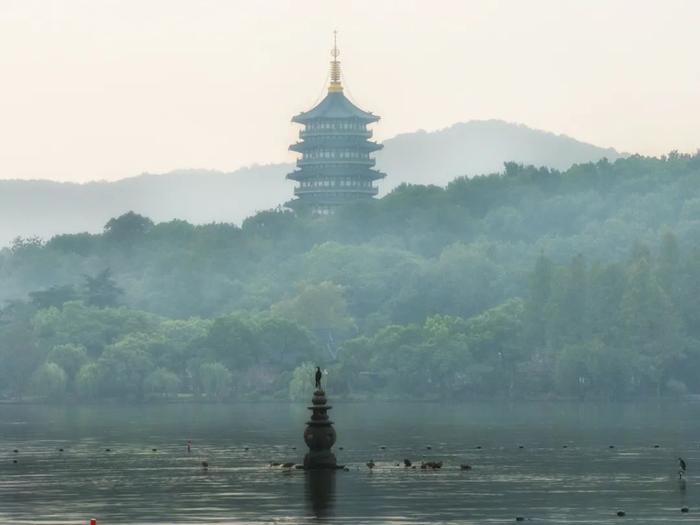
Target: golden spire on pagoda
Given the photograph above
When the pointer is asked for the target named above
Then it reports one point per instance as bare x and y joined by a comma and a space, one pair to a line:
335, 86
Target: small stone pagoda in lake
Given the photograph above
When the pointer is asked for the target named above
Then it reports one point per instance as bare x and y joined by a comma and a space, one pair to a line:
319, 434
335, 165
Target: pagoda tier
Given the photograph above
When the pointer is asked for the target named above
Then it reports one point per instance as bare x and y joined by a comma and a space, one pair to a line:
335, 175
336, 147
335, 166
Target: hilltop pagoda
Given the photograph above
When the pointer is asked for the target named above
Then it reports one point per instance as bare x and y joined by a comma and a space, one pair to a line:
335, 165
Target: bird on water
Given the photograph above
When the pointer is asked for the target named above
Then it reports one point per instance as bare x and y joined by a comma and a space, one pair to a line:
683, 467
370, 464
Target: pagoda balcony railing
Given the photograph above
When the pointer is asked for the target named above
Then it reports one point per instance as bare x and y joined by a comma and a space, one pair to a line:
334, 163
305, 133
325, 190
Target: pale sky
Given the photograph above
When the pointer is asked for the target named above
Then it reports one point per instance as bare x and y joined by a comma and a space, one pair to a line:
98, 89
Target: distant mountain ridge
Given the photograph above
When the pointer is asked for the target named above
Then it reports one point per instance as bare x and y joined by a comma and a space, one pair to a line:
45, 208
479, 147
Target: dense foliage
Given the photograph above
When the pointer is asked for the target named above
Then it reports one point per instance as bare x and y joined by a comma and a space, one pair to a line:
530, 282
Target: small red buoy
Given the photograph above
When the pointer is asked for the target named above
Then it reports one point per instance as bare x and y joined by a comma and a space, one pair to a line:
93, 521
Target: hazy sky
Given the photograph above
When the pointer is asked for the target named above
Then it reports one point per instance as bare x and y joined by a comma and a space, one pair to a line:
98, 89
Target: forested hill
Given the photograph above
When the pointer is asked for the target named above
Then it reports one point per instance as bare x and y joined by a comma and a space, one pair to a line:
530, 282
44, 208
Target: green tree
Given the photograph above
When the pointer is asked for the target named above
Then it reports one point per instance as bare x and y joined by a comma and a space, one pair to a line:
125, 365
20, 353
231, 341
101, 290
88, 381
321, 308
568, 310
163, 382
540, 290
302, 384
572, 373
650, 324
89, 326
215, 380
69, 357
49, 382
669, 263
497, 337
53, 296
127, 228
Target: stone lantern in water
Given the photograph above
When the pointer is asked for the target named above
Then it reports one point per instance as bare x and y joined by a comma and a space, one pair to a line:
319, 434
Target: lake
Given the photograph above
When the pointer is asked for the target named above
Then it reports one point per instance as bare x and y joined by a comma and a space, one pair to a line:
565, 471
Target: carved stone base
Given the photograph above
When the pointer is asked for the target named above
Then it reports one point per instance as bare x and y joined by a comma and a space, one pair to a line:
320, 459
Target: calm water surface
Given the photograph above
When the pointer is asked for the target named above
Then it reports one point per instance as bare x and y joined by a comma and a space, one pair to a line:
586, 482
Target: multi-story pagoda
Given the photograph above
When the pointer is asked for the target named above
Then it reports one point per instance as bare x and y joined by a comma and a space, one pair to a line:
335, 165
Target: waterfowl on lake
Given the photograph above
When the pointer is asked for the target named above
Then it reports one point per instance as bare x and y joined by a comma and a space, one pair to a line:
685, 509
431, 464
288, 465
370, 464
620, 513
205, 465
407, 463
464, 466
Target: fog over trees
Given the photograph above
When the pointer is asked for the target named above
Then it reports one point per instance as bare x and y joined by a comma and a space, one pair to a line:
526, 283
45, 208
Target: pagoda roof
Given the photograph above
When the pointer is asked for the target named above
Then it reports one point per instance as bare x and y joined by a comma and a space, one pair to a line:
335, 105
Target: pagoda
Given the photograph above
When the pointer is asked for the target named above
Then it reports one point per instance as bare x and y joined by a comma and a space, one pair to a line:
335, 165
319, 434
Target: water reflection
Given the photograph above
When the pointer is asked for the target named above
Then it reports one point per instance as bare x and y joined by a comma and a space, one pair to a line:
320, 492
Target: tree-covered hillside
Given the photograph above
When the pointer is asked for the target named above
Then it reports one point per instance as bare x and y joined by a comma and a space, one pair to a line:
529, 282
